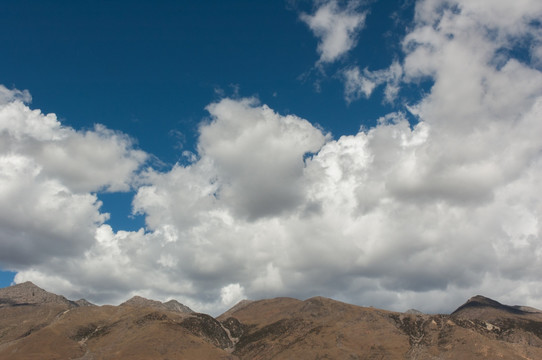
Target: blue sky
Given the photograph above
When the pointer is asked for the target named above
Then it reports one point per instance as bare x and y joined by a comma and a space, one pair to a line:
378, 152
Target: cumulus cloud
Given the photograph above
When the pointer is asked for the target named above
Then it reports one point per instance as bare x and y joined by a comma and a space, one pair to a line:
83, 161
399, 215
41, 217
47, 174
258, 155
336, 27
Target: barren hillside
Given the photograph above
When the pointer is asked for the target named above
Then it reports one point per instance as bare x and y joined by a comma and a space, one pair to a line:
36, 324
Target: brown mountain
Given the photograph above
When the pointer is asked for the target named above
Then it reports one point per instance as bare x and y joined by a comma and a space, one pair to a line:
35, 324
290, 329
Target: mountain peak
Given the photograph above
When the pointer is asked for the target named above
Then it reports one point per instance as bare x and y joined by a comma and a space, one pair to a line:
84, 302
140, 301
414, 312
479, 305
480, 299
172, 305
28, 293
25, 285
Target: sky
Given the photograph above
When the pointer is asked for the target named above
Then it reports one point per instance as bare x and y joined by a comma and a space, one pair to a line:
382, 153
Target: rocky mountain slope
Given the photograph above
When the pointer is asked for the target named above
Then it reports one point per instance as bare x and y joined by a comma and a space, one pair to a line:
35, 324
29, 294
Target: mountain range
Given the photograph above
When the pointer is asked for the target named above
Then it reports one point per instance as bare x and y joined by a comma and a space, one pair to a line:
36, 324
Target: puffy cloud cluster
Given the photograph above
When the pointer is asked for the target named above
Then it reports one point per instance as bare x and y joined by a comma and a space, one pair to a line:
336, 27
397, 216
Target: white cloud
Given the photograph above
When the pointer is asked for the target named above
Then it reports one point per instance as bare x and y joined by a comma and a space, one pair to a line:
19, 123
231, 294
258, 155
397, 216
99, 159
41, 218
7, 95
357, 84
47, 173
336, 28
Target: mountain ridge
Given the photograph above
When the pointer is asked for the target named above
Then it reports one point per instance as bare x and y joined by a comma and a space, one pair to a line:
37, 324
172, 305
28, 293
481, 307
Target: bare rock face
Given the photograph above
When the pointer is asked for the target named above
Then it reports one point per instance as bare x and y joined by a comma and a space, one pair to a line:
29, 294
